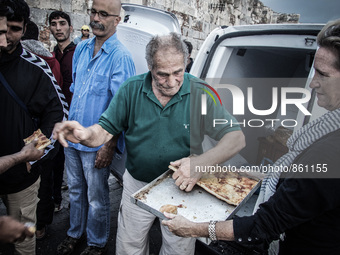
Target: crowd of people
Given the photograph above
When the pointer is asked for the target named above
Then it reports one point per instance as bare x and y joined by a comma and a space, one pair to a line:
86, 97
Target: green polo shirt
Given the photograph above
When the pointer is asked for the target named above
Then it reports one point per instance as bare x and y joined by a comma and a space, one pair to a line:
156, 135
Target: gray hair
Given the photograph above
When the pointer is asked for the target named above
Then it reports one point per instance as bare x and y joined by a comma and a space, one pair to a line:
329, 37
172, 40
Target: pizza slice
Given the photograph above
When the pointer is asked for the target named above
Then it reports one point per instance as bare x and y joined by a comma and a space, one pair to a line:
168, 208
32, 137
230, 187
43, 141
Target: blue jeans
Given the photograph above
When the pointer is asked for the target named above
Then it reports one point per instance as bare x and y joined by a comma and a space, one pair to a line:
89, 197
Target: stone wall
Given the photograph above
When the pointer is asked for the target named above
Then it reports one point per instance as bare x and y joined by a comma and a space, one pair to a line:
197, 18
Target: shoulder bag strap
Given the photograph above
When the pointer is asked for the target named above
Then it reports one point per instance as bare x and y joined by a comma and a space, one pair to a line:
13, 94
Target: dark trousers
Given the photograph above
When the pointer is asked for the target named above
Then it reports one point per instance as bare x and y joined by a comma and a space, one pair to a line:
45, 207
58, 174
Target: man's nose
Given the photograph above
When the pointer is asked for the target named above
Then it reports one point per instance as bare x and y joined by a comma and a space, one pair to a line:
314, 83
172, 81
3, 40
96, 17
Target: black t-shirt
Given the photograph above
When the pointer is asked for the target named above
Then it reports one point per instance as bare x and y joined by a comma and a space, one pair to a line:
32, 81
307, 210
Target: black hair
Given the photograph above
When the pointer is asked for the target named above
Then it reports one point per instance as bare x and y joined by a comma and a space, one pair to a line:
20, 10
32, 31
59, 14
5, 10
189, 45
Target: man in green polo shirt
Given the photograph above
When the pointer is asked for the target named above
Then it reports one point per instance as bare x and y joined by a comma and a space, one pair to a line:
160, 113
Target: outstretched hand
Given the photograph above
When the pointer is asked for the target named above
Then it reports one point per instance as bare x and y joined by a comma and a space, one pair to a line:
71, 131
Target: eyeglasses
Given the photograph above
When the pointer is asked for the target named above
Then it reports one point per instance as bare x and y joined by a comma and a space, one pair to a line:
101, 14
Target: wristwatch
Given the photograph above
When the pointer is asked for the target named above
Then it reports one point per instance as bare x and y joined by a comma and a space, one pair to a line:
212, 230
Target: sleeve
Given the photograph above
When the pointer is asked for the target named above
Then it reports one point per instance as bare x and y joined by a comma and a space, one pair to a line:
218, 120
114, 120
57, 73
47, 103
292, 205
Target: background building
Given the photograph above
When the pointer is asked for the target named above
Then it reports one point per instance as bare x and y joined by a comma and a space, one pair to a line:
197, 18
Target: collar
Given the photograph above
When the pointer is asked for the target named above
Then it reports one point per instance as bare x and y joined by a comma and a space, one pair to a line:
108, 45
71, 45
67, 48
5, 57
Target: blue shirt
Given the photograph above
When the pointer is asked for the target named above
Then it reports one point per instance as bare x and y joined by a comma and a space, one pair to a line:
96, 80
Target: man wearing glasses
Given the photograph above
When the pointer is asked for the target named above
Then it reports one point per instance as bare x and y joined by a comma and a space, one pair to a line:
100, 65
85, 34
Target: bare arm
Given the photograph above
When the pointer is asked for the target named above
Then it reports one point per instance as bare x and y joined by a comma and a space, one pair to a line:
72, 131
186, 177
230, 144
27, 153
183, 227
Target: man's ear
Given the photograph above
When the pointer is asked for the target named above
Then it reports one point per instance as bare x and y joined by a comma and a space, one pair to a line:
24, 30
71, 29
118, 19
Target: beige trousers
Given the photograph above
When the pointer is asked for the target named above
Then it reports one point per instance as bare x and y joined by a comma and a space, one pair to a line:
22, 206
134, 224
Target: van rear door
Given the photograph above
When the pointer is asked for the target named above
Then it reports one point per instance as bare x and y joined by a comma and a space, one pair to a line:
269, 59
140, 23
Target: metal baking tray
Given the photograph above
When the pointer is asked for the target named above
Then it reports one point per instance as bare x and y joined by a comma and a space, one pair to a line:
197, 205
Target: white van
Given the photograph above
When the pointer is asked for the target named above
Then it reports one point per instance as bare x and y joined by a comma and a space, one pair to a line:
261, 57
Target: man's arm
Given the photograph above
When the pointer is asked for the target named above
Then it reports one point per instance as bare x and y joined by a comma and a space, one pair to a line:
27, 153
72, 131
230, 144
181, 226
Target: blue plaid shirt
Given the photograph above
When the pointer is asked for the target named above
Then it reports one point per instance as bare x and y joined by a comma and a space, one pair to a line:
96, 80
